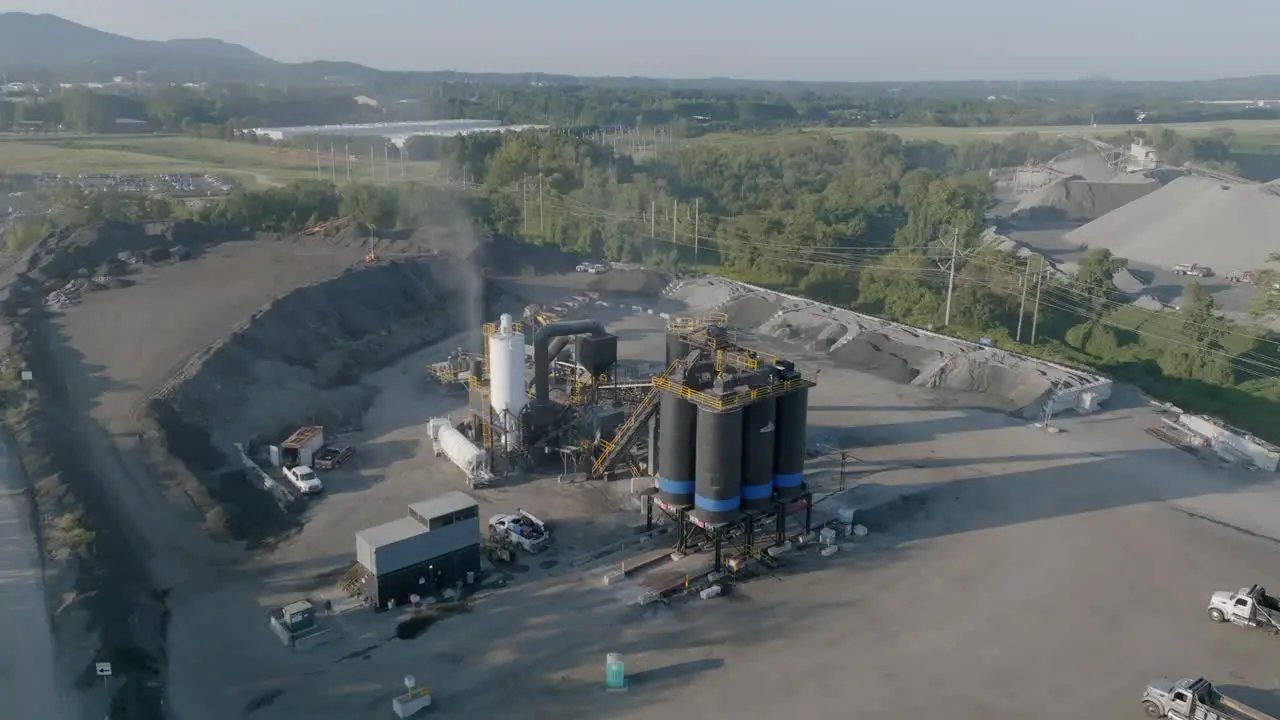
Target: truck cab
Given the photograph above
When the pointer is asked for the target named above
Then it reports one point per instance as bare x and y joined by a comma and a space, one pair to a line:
304, 479
1247, 607
1194, 699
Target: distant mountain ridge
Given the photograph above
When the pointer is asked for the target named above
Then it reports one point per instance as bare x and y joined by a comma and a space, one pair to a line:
49, 41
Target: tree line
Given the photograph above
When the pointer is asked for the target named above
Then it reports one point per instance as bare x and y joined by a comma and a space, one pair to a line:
869, 223
684, 110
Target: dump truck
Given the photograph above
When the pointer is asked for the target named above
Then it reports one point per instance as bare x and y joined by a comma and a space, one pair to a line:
523, 530
1192, 269
1246, 607
1194, 699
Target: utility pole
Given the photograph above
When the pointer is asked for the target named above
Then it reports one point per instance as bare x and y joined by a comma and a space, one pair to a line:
524, 205
402, 158
653, 218
346, 152
333, 167
675, 209
696, 203
318, 175
1035, 316
951, 275
542, 217
373, 166
386, 162
1022, 306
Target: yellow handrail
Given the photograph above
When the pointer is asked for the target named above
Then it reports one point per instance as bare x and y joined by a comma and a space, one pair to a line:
733, 400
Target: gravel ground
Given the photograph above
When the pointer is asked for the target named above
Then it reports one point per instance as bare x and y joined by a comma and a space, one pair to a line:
1023, 559
1032, 553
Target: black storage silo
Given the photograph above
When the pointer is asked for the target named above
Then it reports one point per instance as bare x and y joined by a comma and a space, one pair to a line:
676, 348
677, 419
758, 440
718, 466
789, 453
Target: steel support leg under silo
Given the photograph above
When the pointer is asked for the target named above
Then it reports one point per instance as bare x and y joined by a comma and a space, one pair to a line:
717, 538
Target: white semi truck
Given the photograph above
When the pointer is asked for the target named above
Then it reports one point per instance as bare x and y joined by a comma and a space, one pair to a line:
1194, 699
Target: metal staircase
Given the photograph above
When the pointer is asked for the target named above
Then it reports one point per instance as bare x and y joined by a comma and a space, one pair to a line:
627, 434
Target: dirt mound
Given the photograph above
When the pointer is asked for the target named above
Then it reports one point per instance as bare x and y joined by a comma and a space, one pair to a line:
301, 359
879, 355
640, 282
100, 247
751, 311
1077, 199
993, 374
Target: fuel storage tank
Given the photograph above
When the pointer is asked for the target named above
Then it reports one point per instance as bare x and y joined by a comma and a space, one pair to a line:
758, 443
677, 419
789, 452
718, 466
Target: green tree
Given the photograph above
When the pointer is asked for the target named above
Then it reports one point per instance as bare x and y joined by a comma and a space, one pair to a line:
1095, 278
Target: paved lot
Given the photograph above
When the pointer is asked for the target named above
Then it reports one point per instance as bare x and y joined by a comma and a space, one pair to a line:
1037, 575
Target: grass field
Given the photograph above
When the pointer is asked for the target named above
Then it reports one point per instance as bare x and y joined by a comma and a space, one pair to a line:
255, 165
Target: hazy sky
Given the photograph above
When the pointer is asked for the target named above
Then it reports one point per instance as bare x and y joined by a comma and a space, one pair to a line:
768, 39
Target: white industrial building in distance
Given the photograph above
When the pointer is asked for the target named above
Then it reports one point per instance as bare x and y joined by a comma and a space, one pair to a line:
396, 132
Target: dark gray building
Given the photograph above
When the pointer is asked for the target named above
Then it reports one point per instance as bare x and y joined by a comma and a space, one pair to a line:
432, 549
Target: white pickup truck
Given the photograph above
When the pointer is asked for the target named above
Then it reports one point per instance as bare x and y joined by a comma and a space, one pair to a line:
522, 529
304, 479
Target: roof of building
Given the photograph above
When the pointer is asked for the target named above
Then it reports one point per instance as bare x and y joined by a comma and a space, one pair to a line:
450, 502
392, 532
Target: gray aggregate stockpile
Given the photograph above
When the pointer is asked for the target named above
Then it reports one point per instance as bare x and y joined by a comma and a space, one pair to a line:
985, 376
1076, 199
1224, 225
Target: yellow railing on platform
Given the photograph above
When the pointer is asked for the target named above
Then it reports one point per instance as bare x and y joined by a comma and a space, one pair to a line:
730, 401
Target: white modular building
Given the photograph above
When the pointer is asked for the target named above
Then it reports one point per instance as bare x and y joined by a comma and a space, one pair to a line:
395, 132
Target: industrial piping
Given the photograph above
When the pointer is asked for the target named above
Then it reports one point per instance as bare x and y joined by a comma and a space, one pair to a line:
542, 351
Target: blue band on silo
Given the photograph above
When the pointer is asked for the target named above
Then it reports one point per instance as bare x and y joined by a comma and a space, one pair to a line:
757, 492
713, 505
788, 481
675, 487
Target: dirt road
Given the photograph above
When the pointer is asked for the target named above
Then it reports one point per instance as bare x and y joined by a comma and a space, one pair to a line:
29, 682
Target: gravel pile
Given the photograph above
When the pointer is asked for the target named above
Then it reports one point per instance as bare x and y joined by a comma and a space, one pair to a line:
901, 354
1225, 225
1079, 200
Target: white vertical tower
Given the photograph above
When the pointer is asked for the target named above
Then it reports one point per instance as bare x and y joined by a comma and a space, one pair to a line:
507, 393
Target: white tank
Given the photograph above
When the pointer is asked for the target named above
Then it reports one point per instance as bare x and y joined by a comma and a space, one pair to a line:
460, 451
507, 392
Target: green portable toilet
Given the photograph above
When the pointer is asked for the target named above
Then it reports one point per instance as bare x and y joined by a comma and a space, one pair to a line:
615, 675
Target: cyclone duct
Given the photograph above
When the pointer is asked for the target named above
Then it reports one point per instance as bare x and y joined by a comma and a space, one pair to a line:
542, 351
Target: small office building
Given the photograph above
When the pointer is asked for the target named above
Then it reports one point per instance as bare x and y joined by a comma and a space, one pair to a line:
432, 549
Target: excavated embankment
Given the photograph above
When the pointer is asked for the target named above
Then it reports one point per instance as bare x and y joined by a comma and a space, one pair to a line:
301, 360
